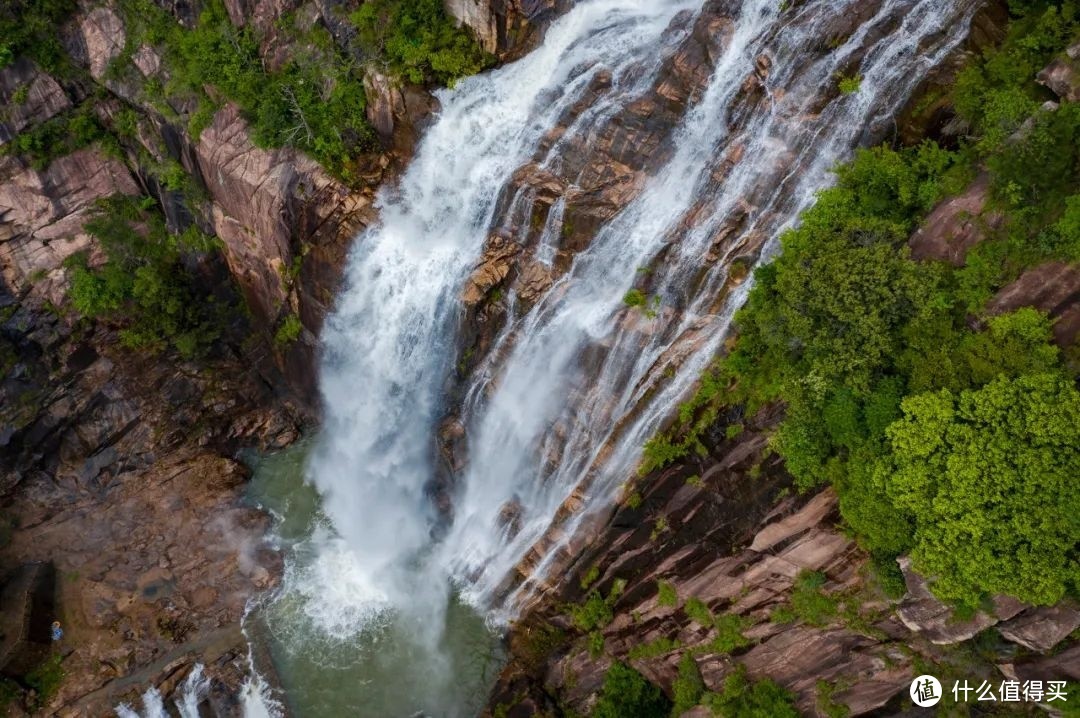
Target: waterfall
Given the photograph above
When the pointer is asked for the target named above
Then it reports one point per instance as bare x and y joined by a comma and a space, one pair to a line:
390, 343
188, 697
608, 375
570, 382
575, 383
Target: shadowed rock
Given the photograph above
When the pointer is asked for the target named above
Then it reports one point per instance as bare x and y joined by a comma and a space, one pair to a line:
1062, 76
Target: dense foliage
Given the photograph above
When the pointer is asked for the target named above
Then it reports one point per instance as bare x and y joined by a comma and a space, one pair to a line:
142, 285
988, 479
947, 434
626, 694
419, 40
31, 28
315, 101
61, 135
689, 686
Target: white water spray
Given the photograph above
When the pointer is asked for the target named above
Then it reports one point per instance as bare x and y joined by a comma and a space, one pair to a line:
190, 694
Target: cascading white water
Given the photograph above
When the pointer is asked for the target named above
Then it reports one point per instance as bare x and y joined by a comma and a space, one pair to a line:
390, 345
785, 153
190, 694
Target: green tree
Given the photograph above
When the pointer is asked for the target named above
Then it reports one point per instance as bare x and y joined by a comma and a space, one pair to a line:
419, 40
143, 286
989, 477
688, 687
626, 694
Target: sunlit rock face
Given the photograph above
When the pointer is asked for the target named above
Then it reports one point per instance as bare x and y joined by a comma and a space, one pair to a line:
506, 28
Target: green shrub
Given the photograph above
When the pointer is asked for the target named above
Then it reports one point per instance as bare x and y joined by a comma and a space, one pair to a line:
653, 649
688, 687
538, 643
729, 635
626, 694
844, 329
46, 678
826, 704
698, 612
809, 603
990, 473
32, 28
849, 85
59, 136
314, 102
666, 595
635, 298
742, 698
595, 613
10, 691
595, 643
142, 285
289, 331
419, 40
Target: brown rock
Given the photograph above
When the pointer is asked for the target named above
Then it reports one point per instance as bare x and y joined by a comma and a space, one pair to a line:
801, 656
505, 27
1040, 629
1053, 287
806, 518
147, 60
384, 102
109, 548
535, 280
42, 213
923, 613
510, 517
260, 196
103, 39
493, 267
44, 98
955, 226
1062, 76
698, 712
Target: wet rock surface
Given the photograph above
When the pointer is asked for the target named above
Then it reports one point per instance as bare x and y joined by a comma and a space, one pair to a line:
721, 530
113, 471
147, 562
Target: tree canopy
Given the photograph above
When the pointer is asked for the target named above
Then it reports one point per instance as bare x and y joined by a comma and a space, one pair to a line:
990, 480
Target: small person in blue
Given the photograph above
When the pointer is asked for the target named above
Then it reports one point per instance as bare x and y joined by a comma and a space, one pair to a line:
57, 632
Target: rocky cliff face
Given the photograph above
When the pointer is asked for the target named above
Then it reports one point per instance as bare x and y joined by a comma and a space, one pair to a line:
506, 28
122, 507
724, 533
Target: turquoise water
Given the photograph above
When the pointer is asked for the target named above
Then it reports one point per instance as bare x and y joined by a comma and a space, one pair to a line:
334, 653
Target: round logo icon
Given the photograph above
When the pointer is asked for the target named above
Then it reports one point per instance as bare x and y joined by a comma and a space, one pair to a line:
925, 691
